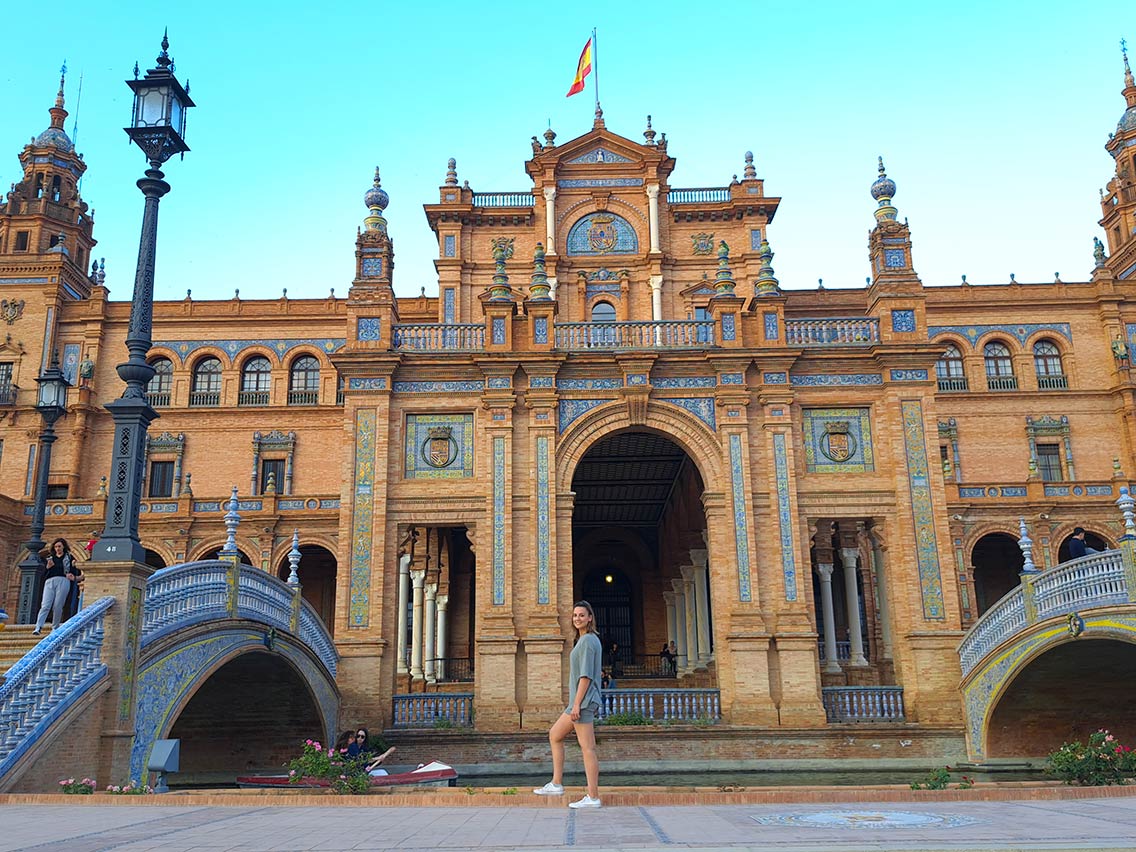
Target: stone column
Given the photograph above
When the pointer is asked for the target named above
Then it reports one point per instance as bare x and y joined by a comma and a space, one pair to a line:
702, 599
848, 556
430, 623
683, 661
828, 616
672, 629
656, 282
694, 653
418, 576
550, 219
403, 600
882, 587
653, 213
440, 670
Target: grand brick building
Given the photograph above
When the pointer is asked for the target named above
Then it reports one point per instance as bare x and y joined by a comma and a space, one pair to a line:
613, 397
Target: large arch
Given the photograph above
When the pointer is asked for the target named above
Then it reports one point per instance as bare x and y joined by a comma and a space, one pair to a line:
1066, 693
996, 566
318, 570
171, 672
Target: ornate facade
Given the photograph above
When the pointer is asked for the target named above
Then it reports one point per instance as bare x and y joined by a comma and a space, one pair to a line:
612, 396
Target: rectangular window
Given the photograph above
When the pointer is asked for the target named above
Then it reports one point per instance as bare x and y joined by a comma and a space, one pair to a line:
1049, 462
944, 452
7, 392
161, 479
272, 470
57, 492
22, 240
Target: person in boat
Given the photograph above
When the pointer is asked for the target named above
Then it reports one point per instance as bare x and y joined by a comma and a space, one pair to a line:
358, 745
345, 739
585, 676
373, 768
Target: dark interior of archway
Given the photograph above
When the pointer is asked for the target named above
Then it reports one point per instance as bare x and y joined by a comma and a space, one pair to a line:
253, 713
637, 510
317, 580
216, 554
154, 559
1091, 540
1065, 695
997, 563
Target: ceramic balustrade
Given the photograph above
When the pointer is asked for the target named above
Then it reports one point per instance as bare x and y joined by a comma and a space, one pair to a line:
440, 709
665, 705
863, 703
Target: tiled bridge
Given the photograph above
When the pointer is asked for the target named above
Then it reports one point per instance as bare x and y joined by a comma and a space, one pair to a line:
1053, 659
195, 618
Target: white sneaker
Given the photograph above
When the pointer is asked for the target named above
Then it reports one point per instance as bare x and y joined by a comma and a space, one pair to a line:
550, 789
586, 802
35, 632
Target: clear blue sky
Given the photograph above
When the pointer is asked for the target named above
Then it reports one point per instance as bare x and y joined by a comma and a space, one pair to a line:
991, 118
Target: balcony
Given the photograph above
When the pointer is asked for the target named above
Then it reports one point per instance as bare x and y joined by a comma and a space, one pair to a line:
953, 384
863, 703
670, 334
8, 395
838, 331
1002, 383
252, 398
439, 337
158, 399
1053, 383
303, 397
709, 195
503, 199
204, 399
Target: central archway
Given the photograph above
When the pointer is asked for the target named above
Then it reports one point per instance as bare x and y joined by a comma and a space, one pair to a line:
637, 518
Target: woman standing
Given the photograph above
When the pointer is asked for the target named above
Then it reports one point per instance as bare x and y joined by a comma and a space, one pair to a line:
585, 673
56, 584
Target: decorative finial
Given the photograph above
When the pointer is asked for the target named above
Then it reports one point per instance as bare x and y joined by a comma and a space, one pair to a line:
539, 287
1057, 278
102, 271
294, 560
187, 489
649, 133
376, 200
102, 492
232, 521
599, 122
766, 284
1026, 545
164, 60
499, 289
1098, 253
883, 190
1127, 508
135, 69
750, 172
1117, 470
1127, 70
452, 172
964, 281
550, 138
62, 78
724, 283
1013, 280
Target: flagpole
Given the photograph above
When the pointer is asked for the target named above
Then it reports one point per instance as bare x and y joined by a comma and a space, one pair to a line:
596, 68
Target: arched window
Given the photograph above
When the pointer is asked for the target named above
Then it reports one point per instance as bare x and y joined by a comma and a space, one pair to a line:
303, 381
206, 387
999, 367
949, 370
605, 336
158, 391
1047, 363
256, 381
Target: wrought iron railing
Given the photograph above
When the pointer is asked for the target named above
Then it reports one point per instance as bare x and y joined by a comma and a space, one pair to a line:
642, 666
863, 703
204, 399
1001, 383
833, 331
1098, 579
49, 679
503, 199
303, 397
252, 398
703, 195
158, 399
8, 394
1053, 383
664, 334
843, 649
451, 669
439, 337
433, 710
953, 383
663, 705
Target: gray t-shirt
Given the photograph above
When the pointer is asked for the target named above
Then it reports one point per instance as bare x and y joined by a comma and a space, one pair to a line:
587, 661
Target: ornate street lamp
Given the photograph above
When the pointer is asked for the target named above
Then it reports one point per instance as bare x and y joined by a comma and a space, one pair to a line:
158, 128
51, 403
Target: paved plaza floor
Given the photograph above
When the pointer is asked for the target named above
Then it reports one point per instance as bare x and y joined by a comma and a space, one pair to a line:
521, 825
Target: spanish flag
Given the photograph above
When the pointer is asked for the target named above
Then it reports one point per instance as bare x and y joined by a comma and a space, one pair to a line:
583, 69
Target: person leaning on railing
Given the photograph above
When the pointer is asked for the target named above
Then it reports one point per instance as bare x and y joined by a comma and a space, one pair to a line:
1077, 546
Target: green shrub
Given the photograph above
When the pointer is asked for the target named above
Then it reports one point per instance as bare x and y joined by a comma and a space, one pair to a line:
1102, 761
77, 788
344, 774
625, 719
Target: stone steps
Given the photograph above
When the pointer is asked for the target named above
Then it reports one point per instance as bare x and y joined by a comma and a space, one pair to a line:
15, 641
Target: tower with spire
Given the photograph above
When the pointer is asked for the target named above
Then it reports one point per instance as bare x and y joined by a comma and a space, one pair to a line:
1118, 203
43, 219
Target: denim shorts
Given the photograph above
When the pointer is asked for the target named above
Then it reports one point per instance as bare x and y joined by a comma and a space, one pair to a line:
587, 714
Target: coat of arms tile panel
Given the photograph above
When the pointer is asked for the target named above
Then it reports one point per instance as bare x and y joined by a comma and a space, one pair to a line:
439, 446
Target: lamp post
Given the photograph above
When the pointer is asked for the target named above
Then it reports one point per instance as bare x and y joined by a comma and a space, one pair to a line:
51, 403
158, 128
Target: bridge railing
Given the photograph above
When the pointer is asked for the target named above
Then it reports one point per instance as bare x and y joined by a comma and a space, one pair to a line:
49, 679
863, 703
433, 710
663, 705
1098, 579
183, 595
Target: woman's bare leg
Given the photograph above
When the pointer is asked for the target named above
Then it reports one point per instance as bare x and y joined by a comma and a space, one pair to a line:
556, 735
586, 736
